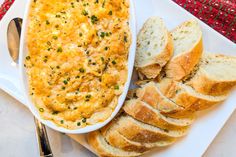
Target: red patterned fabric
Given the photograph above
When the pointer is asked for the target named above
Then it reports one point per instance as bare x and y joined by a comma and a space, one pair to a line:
219, 14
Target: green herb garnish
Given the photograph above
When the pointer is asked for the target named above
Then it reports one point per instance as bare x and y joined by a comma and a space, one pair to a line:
41, 109
59, 49
110, 12
113, 62
84, 120
27, 57
47, 22
84, 12
94, 19
82, 70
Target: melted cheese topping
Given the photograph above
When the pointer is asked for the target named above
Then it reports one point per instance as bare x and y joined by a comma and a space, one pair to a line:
77, 61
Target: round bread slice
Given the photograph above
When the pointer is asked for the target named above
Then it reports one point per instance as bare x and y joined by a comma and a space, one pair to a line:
137, 131
102, 148
187, 97
147, 114
114, 138
216, 75
154, 47
188, 47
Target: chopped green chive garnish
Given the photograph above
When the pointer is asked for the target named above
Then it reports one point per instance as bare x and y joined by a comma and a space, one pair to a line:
82, 70
84, 120
62, 121
113, 62
27, 57
59, 49
88, 96
102, 35
125, 39
41, 109
94, 19
47, 22
65, 82
84, 12
55, 112
78, 123
110, 13
117, 87
55, 37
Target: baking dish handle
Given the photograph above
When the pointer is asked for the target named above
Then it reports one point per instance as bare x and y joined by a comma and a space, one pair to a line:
9, 72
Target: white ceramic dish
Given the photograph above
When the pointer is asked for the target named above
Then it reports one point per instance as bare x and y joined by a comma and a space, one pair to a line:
23, 77
207, 125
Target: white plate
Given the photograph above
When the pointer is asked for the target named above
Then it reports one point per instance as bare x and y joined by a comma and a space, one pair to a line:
209, 122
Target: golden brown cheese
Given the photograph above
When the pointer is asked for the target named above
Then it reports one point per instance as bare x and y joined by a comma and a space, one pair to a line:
77, 61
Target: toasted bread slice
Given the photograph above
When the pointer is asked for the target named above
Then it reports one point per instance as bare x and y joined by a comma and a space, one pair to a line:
147, 114
187, 97
114, 138
137, 131
154, 47
102, 148
216, 75
152, 95
188, 47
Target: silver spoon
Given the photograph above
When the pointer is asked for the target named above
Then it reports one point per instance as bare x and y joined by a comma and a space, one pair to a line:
13, 39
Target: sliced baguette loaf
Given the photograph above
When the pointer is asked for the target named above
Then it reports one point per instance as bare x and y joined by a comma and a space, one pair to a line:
154, 47
187, 97
102, 148
137, 131
147, 114
216, 75
188, 47
114, 138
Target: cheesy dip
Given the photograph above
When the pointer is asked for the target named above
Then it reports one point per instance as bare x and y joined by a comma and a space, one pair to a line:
77, 58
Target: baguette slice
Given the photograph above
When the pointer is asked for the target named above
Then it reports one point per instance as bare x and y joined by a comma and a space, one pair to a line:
147, 114
216, 75
154, 47
114, 138
187, 97
188, 47
102, 148
137, 131
152, 95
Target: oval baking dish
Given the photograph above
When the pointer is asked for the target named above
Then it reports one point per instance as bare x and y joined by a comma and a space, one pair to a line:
26, 86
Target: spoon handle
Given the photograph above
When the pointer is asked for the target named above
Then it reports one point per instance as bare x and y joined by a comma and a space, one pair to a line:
43, 142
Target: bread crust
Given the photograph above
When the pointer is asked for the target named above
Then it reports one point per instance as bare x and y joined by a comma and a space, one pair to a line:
190, 100
205, 85
115, 139
94, 142
144, 113
182, 65
138, 131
